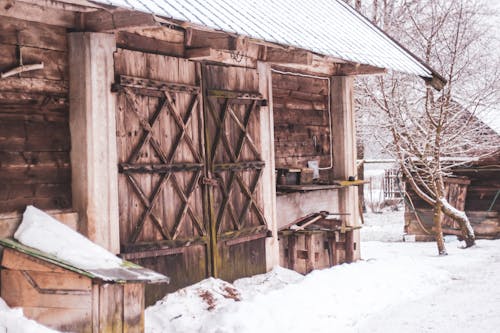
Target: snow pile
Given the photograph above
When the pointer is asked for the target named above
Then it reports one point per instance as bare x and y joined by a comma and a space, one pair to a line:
276, 279
41, 231
329, 300
12, 320
183, 310
281, 301
187, 309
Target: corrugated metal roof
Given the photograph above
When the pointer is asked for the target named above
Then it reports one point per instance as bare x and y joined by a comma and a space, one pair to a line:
328, 27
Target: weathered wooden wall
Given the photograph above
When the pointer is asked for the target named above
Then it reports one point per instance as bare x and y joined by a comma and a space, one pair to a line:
34, 132
301, 121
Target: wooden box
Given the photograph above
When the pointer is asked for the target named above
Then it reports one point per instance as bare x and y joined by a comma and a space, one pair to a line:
69, 299
306, 176
307, 250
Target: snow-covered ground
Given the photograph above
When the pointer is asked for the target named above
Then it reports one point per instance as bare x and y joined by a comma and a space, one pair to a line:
397, 287
385, 227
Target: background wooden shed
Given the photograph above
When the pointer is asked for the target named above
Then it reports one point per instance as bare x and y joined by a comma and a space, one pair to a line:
476, 190
67, 298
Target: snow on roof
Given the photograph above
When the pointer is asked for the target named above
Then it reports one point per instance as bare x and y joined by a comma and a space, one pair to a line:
44, 237
490, 116
327, 27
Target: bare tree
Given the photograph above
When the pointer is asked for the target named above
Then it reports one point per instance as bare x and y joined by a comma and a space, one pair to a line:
431, 132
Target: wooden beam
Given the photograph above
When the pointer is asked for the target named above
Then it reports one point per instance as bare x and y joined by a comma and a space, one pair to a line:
234, 58
359, 69
37, 13
67, 5
319, 65
93, 136
106, 21
197, 38
137, 42
287, 56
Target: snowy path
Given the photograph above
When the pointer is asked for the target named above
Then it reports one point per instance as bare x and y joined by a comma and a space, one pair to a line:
399, 287
470, 302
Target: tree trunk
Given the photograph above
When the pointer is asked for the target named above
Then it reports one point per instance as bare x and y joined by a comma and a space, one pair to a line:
438, 220
463, 221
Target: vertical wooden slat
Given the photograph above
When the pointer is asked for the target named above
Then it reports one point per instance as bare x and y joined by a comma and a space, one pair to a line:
95, 308
292, 251
309, 248
133, 308
111, 308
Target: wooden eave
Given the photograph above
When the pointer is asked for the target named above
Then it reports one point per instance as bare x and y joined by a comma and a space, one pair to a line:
198, 42
114, 275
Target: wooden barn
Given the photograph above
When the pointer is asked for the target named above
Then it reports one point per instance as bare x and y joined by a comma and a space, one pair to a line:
183, 135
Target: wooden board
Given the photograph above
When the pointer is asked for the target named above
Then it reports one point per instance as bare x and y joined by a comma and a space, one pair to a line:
17, 291
133, 308
111, 308
61, 319
15, 260
34, 109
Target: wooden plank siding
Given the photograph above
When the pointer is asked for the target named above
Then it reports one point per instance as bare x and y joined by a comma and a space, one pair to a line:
34, 131
301, 121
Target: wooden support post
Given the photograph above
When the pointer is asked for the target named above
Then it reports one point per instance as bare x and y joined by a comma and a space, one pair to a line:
268, 177
344, 153
308, 240
292, 251
93, 137
333, 250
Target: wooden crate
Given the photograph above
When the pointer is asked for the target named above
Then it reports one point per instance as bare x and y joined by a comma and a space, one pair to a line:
69, 299
306, 250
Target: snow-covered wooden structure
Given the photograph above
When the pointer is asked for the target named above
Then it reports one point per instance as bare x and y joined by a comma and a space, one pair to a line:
68, 298
160, 123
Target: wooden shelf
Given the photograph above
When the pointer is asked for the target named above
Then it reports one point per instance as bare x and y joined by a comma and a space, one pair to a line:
304, 188
316, 187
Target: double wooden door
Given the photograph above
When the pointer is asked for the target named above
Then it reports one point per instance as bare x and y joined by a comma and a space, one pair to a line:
189, 169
